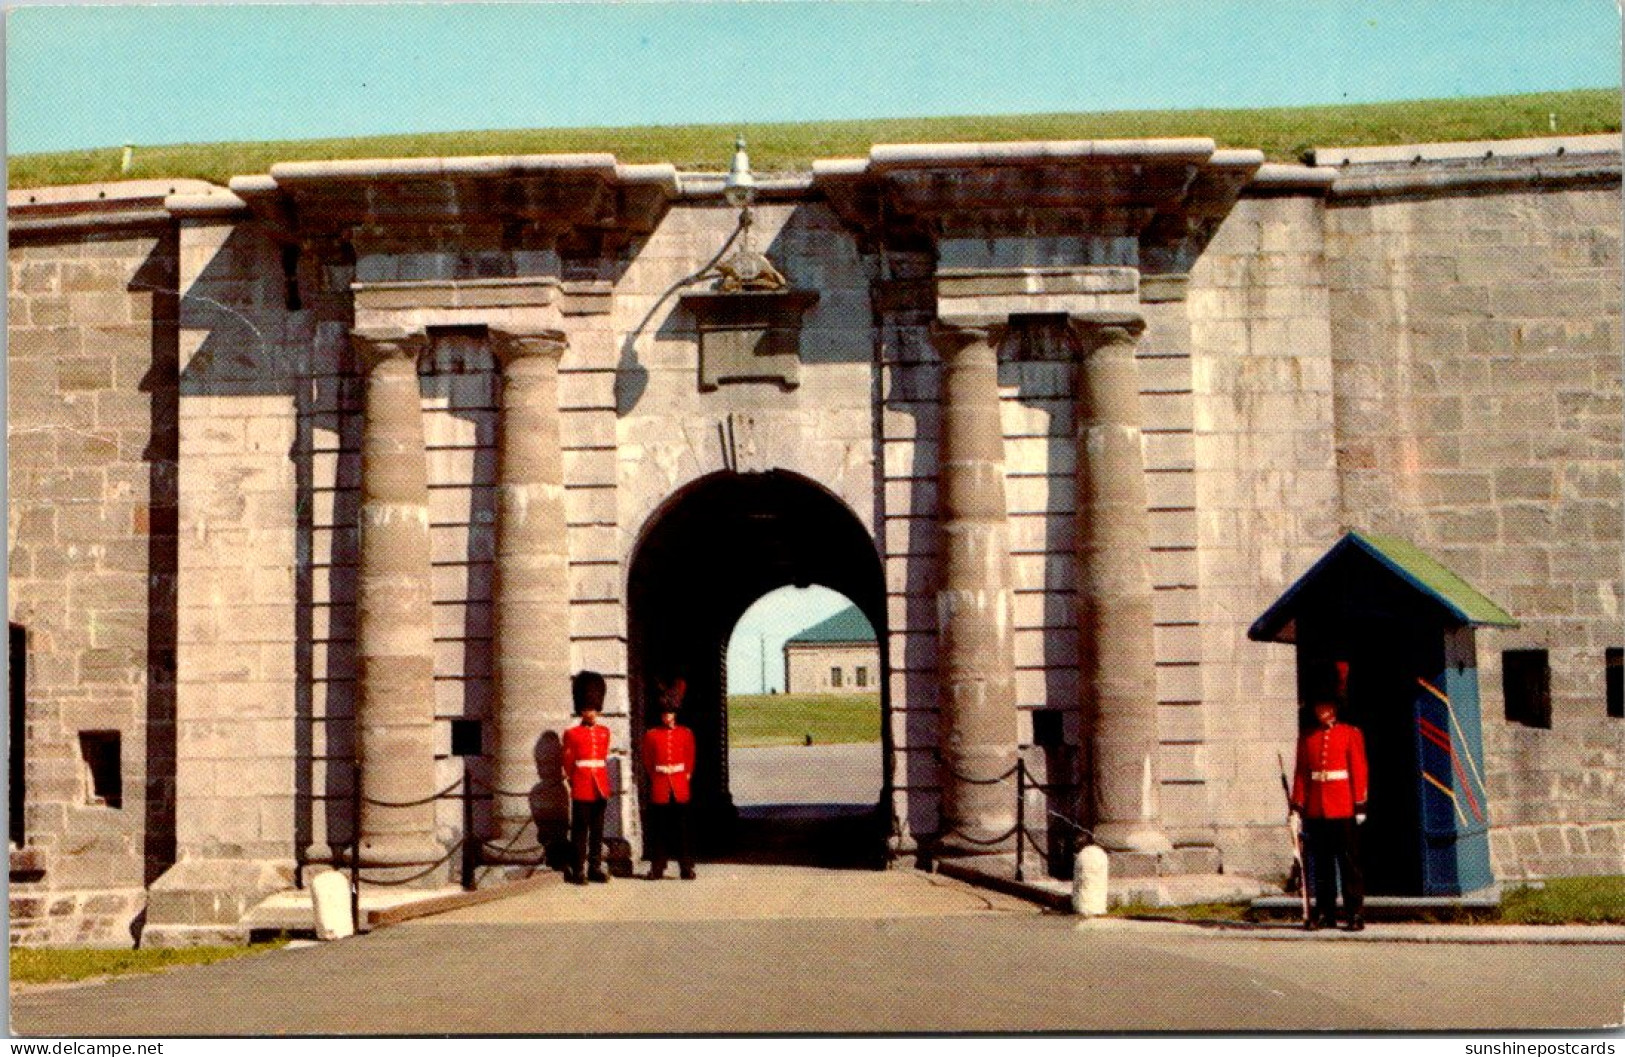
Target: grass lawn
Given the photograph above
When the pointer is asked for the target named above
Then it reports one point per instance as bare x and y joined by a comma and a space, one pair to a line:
1558, 901
787, 719
30, 965
1283, 134
1566, 901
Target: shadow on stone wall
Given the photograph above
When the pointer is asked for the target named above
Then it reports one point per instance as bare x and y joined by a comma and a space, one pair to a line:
157, 277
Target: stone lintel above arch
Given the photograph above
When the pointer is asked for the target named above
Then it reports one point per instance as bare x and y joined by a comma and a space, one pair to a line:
985, 295
531, 305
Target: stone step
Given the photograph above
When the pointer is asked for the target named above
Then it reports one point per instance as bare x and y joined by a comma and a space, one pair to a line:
291, 910
998, 872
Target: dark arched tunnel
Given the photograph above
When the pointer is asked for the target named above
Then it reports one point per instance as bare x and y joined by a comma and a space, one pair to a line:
703, 558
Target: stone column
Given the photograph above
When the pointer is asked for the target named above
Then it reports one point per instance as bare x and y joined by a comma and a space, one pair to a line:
394, 701
530, 588
1116, 651
977, 722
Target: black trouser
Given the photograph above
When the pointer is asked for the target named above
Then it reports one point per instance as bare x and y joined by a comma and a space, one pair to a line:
669, 834
587, 834
1334, 849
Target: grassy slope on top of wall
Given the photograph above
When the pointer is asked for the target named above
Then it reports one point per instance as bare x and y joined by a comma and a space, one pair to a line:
1283, 134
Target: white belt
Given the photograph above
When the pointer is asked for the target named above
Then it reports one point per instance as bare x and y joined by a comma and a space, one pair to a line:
589, 763
1328, 776
670, 768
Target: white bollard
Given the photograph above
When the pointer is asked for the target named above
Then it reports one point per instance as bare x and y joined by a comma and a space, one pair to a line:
1091, 872
330, 900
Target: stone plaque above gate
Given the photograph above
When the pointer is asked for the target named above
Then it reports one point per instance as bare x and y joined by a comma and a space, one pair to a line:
750, 336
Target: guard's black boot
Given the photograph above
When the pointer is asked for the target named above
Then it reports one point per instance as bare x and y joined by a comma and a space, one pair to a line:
657, 871
687, 873
1311, 925
1356, 923
598, 876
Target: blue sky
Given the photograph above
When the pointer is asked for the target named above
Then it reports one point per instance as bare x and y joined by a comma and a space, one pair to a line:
100, 75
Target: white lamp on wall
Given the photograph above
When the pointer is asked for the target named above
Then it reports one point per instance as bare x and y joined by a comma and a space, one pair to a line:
746, 269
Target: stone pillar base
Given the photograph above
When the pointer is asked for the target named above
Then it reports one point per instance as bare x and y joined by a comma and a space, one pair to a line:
1140, 837
406, 850
1177, 862
201, 902
955, 848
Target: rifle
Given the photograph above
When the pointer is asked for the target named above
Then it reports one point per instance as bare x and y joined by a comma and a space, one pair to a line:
1296, 829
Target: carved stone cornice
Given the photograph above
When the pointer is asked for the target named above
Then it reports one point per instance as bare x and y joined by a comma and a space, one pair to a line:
511, 345
531, 198
375, 346
952, 339
1097, 331
1145, 204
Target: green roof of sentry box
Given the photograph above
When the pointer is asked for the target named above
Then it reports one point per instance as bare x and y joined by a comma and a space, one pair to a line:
1403, 559
849, 625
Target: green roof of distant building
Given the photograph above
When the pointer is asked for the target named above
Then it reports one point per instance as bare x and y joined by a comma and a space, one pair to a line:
849, 625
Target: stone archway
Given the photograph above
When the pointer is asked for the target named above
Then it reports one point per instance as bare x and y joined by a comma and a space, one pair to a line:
710, 551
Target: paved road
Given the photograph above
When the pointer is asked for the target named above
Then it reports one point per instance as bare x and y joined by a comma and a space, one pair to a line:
805, 774
895, 951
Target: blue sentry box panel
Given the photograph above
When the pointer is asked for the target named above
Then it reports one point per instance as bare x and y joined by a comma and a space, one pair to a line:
1455, 807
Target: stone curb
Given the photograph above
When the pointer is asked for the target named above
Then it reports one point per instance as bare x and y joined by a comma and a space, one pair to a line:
1382, 932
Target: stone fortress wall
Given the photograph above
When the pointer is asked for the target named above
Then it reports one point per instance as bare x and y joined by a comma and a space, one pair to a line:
1428, 348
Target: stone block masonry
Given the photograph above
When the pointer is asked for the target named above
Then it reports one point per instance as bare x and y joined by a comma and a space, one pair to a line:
1478, 414
91, 488
199, 485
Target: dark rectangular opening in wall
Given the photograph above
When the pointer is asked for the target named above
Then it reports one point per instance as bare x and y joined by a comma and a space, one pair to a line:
466, 738
835, 677
1047, 729
1526, 683
1614, 678
17, 707
104, 767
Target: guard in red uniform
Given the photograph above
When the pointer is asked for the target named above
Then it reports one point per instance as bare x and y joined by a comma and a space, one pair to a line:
668, 759
586, 774
1329, 792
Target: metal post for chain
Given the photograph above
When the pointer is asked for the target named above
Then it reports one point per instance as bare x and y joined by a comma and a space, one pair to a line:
1021, 814
471, 848
355, 848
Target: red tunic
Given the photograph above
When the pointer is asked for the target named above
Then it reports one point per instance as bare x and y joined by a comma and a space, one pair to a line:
1331, 779
586, 752
668, 756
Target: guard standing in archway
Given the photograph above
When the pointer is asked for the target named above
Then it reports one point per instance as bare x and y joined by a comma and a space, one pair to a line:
668, 758
1329, 790
586, 774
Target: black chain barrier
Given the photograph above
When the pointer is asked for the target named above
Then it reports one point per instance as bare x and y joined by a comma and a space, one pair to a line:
426, 871
410, 803
1020, 831
984, 842
494, 791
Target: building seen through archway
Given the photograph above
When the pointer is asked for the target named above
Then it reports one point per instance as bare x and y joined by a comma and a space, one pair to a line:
804, 726
706, 556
